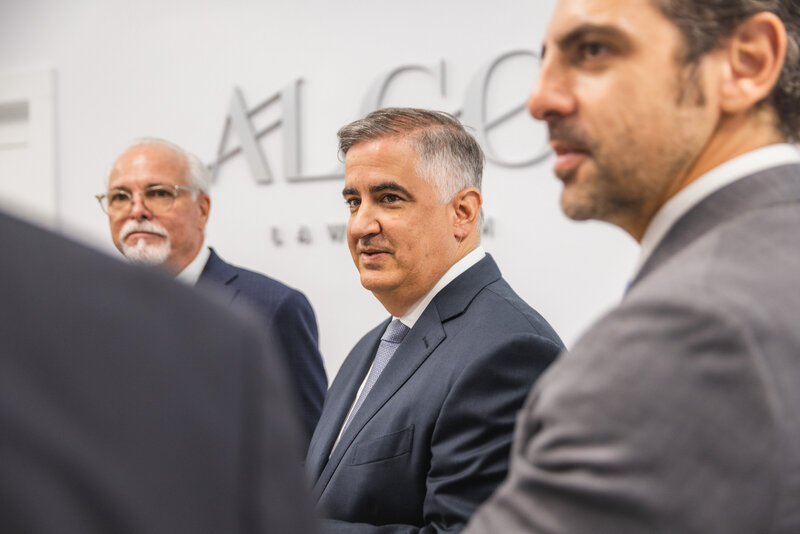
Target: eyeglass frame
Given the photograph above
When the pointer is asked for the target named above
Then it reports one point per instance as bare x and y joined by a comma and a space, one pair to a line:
175, 187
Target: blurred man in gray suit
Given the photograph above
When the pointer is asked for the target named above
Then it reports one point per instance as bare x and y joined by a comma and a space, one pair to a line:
678, 411
129, 403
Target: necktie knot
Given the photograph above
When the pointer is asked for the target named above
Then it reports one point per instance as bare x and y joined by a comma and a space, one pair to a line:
395, 332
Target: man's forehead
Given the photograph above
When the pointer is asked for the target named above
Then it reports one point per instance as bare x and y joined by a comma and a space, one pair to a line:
375, 159
149, 163
627, 16
379, 147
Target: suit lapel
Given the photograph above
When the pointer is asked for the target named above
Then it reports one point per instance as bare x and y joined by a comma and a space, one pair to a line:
220, 275
340, 398
415, 349
426, 335
779, 185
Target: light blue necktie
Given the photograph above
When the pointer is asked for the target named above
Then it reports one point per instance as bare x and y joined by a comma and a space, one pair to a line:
390, 340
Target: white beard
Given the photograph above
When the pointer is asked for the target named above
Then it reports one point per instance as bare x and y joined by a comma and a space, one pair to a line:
145, 254
142, 252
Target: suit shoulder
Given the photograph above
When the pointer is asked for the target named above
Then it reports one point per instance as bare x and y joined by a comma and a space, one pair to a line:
258, 286
253, 278
745, 266
501, 304
99, 287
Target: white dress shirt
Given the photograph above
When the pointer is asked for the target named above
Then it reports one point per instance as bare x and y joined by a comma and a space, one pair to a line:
191, 273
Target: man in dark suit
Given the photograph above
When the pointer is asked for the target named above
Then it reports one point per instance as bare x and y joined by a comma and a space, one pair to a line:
129, 403
157, 205
678, 411
415, 431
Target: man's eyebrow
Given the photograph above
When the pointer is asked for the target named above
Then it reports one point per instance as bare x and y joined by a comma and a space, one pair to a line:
389, 186
385, 186
581, 32
154, 183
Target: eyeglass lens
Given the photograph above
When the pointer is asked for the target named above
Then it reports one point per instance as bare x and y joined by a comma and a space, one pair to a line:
155, 198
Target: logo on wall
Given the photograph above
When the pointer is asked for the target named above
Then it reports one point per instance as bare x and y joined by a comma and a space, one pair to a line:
473, 113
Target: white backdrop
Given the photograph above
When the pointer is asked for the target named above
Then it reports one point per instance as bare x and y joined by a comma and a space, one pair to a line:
168, 69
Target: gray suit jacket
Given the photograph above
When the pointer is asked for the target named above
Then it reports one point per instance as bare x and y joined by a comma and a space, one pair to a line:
432, 439
130, 404
679, 412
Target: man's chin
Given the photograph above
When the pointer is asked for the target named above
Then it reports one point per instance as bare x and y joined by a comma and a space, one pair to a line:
371, 281
578, 199
579, 214
146, 254
573, 212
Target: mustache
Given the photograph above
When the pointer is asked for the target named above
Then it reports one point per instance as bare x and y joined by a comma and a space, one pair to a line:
565, 133
372, 242
142, 226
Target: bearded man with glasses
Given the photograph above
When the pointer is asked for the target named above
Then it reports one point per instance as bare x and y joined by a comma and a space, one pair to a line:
144, 241
157, 204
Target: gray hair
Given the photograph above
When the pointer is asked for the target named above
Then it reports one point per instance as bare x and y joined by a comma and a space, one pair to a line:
706, 24
447, 155
197, 174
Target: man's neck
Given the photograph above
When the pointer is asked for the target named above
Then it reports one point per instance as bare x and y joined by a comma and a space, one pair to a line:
411, 312
736, 135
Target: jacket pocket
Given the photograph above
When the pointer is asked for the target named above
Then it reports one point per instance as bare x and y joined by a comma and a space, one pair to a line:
384, 447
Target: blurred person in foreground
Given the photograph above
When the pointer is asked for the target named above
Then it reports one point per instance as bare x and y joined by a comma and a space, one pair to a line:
129, 403
158, 204
416, 428
677, 411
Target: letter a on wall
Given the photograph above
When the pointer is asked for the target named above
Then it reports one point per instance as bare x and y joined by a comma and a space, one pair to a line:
239, 121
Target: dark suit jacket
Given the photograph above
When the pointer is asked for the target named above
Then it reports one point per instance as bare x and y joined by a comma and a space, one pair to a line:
432, 439
678, 411
288, 315
131, 404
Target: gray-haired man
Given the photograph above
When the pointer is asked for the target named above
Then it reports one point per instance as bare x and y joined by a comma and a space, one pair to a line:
158, 204
416, 428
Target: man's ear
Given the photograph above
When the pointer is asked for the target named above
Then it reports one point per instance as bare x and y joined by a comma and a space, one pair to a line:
755, 55
467, 209
204, 206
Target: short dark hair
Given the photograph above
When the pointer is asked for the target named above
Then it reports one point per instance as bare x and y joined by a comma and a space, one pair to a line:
447, 155
705, 24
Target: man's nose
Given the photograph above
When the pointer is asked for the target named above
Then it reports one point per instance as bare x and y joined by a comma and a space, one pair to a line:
551, 97
139, 210
364, 222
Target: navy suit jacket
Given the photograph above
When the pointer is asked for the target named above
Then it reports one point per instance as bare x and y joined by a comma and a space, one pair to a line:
432, 439
289, 317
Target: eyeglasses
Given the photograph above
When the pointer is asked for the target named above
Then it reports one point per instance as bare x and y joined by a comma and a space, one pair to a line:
156, 198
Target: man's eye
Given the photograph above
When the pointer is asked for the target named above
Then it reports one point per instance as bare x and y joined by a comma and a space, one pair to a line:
158, 193
119, 196
352, 203
390, 198
591, 50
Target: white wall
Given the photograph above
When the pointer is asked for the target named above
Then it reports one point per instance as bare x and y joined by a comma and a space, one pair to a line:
168, 69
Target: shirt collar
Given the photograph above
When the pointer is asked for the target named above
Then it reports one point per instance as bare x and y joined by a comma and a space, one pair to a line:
415, 311
191, 273
712, 181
